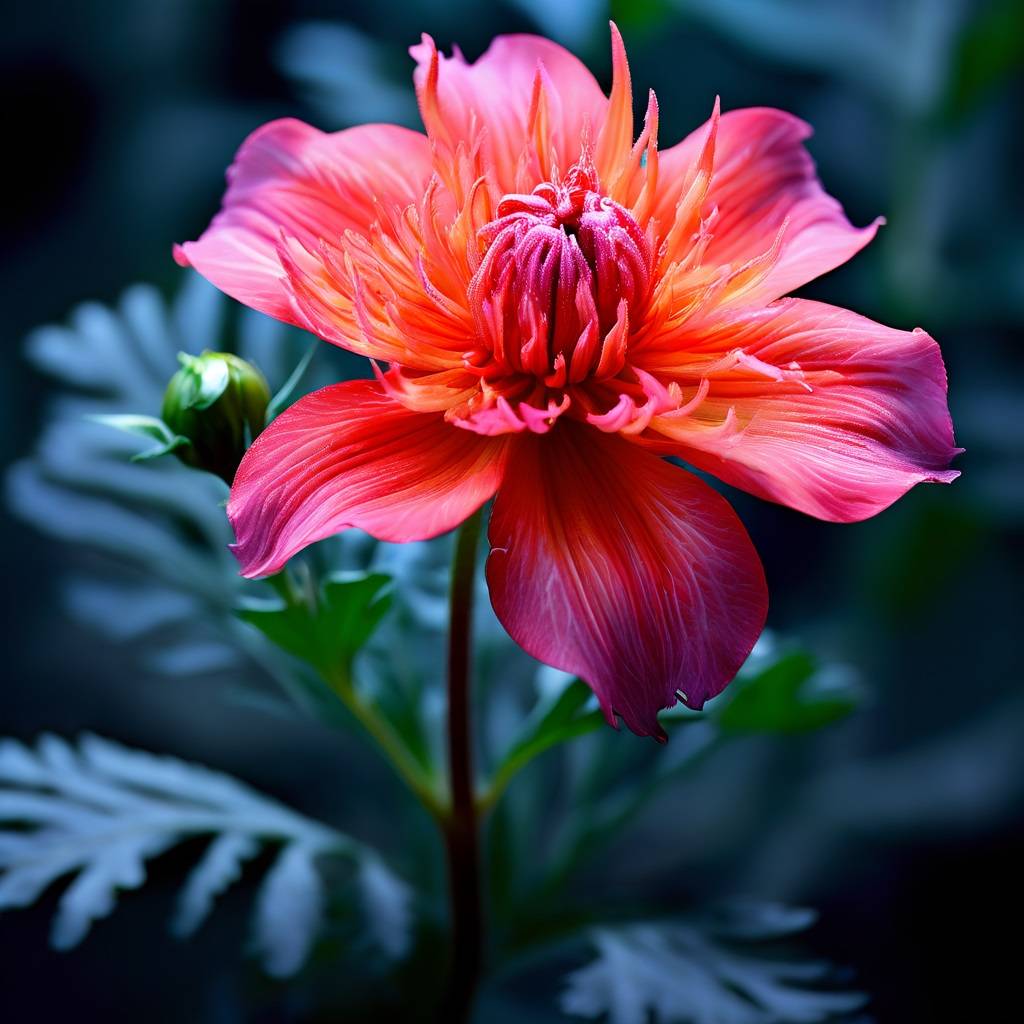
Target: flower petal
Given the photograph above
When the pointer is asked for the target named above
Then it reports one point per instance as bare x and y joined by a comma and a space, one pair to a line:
495, 95
290, 179
763, 181
612, 564
348, 455
812, 406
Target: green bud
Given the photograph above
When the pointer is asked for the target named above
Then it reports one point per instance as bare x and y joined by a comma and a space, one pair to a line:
219, 402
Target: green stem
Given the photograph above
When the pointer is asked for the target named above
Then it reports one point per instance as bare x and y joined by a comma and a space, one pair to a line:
461, 828
513, 765
380, 730
392, 747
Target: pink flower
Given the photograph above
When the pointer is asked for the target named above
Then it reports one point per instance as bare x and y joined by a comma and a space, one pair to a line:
549, 308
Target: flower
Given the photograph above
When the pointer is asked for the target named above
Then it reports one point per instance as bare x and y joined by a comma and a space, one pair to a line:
549, 308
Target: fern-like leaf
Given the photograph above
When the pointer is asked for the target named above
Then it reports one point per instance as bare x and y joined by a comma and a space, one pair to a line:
98, 811
706, 973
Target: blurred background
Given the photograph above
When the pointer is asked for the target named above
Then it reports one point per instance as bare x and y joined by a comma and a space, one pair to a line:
903, 823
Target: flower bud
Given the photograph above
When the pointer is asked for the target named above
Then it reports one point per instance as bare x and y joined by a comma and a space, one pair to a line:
219, 402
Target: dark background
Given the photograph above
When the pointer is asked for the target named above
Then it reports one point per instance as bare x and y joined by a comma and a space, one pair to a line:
119, 120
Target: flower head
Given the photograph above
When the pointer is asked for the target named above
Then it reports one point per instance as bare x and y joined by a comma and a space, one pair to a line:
551, 306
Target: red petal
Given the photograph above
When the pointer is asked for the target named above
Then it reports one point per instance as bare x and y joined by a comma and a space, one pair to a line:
763, 177
610, 563
291, 179
821, 409
348, 455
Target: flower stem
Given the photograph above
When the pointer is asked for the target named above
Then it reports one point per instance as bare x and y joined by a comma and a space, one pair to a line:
422, 783
461, 829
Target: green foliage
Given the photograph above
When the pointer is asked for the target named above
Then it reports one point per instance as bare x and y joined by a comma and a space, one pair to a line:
325, 626
283, 396
990, 50
555, 718
145, 426
162, 582
786, 697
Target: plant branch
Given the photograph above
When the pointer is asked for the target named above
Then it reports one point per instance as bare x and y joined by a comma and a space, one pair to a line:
341, 684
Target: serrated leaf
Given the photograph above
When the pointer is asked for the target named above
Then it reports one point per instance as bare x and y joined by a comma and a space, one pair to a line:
674, 973
92, 895
99, 811
328, 631
783, 698
289, 910
221, 865
757, 920
387, 905
162, 525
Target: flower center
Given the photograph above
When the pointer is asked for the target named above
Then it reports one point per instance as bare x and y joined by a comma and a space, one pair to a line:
563, 266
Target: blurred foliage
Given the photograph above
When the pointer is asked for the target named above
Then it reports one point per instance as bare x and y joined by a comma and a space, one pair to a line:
682, 973
101, 811
789, 696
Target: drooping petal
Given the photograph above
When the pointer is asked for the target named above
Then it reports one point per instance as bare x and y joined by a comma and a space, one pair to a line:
612, 564
763, 182
291, 180
812, 406
348, 455
494, 97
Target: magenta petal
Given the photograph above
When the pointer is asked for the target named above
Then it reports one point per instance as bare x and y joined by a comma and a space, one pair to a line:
491, 99
823, 410
610, 563
348, 455
764, 181
290, 179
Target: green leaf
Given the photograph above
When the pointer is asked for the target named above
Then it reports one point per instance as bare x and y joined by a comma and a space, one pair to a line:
280, 400
786, 697
148, 427
553, 720
326, 628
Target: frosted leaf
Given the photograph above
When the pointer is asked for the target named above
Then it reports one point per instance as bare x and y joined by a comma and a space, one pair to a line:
221, 865
289, 910
98, 811
676, 973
